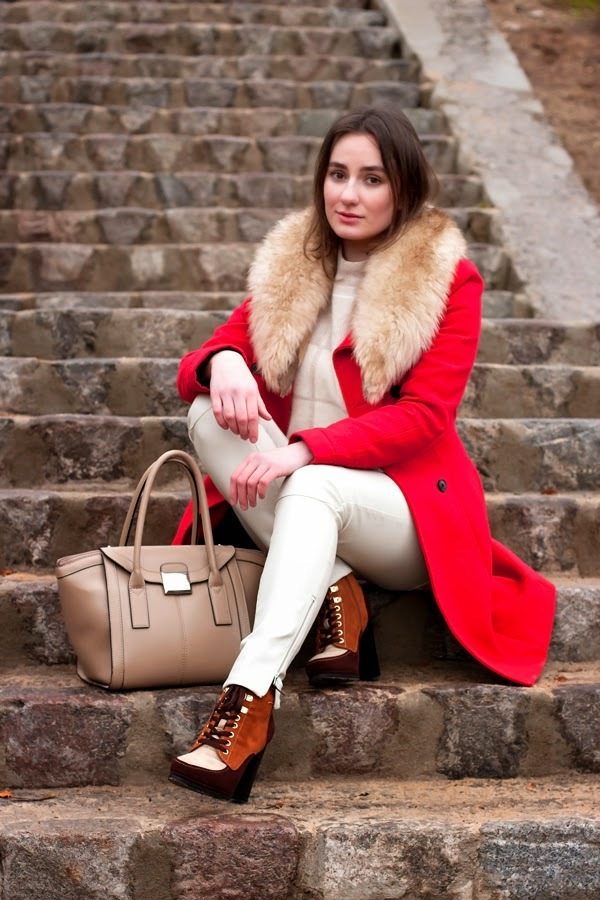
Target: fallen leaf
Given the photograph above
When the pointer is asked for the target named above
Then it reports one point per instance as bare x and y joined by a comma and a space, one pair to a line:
7, 571
532, 787
561, 678
26, 796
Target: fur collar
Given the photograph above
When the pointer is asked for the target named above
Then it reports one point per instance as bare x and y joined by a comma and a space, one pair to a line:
400, 303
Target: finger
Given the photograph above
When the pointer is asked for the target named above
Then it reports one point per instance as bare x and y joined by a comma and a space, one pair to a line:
233, 483
252, 420
217, 406
241, 416
237, 485
253, 482
262, 409
242, 491
229, 414
265, 481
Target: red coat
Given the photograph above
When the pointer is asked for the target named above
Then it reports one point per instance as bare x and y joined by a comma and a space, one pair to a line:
402, 406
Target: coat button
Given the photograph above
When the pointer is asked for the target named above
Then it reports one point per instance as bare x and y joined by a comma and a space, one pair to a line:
442, 485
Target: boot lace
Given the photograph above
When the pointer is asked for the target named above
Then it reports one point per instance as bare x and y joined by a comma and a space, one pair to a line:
219, 731
330, 628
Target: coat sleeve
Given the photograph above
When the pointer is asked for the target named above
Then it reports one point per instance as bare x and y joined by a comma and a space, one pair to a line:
231, 335
428, 397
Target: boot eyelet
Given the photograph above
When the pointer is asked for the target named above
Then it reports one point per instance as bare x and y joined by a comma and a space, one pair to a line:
225, 752
237, 718
227, 744
341, 634
235, 725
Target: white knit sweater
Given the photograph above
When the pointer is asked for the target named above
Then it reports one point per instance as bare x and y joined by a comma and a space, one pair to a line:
317, 400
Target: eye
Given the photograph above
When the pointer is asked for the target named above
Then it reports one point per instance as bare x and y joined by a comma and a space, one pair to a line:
336, 174
373, 179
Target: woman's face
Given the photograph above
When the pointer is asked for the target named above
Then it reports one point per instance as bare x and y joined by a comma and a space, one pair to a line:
358, 196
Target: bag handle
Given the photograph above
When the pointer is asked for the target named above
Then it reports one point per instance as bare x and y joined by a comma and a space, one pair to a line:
137, 586
135, 500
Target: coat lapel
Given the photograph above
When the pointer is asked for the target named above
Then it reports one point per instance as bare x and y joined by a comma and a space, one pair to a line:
398, 310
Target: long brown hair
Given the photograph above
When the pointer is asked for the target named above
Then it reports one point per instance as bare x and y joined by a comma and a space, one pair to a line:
412, 179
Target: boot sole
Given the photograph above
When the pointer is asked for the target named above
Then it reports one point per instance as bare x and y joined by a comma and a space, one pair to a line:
199, 789
333, 679
240, 792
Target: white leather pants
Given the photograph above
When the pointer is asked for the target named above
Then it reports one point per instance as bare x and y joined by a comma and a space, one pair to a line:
318, 524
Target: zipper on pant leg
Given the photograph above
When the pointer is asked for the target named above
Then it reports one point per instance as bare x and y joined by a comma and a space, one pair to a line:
286, 658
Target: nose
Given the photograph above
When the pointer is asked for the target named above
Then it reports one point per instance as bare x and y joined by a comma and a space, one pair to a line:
349, 193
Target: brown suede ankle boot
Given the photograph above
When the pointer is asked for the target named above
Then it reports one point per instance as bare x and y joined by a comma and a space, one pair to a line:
239, 729
343, 622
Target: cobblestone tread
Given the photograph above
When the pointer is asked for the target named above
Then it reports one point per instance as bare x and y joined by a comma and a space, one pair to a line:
554, 532
163, 65
342, 839
551, 454
465, 727
409, 629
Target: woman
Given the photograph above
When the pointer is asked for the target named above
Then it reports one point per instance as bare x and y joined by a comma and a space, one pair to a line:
324, 411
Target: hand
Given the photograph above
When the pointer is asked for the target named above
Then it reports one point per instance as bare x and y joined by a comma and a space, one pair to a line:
253, 476
235, 397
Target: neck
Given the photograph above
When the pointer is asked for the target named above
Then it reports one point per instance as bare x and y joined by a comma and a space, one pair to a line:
354, 252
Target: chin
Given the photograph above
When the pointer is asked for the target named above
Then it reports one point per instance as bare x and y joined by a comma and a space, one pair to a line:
350, 232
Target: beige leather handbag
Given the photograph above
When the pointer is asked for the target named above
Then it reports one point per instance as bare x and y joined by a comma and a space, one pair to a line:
141, 617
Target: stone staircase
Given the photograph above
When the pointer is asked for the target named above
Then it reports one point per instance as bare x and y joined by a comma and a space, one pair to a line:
146, 148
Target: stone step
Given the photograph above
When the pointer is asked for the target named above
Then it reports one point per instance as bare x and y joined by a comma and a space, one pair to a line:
529, 341
409, 629
496, 304
447, 719
554, 533
535, 391
97, 333
141, 267
190, 39
129, 225
174, 152
340, 839
204, 13
351, 4
57, 190
50, 66
256, 122
102, 333
545, 455
199, 93
190, 300
146, 387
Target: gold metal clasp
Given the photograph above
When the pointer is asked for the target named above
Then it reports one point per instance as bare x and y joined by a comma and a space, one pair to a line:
175, 578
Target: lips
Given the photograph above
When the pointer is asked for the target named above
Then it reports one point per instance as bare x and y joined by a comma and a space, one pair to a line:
349, 217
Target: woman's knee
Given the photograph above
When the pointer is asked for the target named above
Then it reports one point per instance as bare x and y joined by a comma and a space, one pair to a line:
203, 429
314, 482
198, 417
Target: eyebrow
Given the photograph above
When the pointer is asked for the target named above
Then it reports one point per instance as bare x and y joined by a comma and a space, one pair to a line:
339, 165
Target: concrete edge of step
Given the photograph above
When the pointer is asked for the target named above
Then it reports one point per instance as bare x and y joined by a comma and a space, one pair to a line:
550, 224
